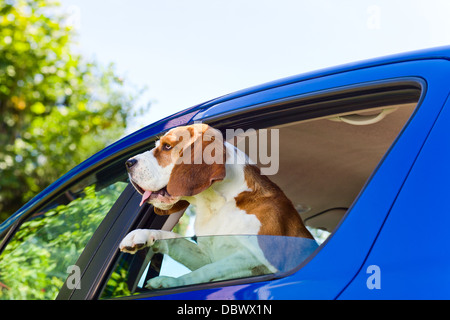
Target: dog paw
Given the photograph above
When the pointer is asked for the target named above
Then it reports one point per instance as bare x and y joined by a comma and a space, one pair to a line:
138, 239
163, 282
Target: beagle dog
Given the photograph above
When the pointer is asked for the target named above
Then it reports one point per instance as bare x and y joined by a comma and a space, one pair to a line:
194, 165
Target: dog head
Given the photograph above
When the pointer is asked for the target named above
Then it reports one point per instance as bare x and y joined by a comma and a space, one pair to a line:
184, 162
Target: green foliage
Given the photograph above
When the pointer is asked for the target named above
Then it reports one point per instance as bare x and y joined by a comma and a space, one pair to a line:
34, 264
117, 283
182, 226
56, 109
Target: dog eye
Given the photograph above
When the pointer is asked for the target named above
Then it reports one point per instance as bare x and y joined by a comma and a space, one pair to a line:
166, 146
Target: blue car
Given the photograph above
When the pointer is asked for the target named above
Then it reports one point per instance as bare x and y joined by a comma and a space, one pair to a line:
361, 150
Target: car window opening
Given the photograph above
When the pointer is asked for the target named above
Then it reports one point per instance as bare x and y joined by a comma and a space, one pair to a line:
324, 164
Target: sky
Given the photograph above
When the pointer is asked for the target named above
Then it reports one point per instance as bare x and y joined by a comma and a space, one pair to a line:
190, 51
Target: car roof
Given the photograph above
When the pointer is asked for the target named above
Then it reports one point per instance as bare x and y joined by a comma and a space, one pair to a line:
425, 54
140, 138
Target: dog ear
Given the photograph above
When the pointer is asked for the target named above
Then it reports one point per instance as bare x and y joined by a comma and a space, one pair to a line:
202, 170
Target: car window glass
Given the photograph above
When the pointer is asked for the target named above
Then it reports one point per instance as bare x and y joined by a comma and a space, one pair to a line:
37, 260
323, 165
260, 254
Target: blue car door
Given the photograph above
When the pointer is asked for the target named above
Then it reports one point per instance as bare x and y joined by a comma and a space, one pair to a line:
411, 252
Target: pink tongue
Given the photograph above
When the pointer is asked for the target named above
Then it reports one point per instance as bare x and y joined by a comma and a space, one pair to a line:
145, 196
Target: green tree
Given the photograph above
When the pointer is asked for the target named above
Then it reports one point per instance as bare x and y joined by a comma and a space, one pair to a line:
56, 108
34, 264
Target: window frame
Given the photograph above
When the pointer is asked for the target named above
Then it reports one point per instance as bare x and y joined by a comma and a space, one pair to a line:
43, 206
124, 214
233, 119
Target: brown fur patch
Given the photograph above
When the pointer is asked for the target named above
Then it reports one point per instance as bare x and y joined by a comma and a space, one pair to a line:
164, 157
180, 205
270, 205
188, 179
178, 139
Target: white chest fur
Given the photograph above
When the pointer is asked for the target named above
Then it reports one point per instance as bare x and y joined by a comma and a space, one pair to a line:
216, 210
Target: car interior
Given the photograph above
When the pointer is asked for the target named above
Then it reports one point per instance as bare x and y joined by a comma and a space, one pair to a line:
329, 144
325, 163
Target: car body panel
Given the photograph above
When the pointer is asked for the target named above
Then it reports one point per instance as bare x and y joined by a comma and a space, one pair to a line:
338, 268
413, 248
340, 259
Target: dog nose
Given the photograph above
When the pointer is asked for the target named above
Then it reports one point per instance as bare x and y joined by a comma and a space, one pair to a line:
129, 163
